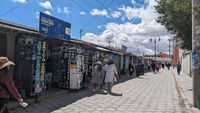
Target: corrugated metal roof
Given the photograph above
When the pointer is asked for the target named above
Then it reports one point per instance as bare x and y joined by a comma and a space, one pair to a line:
21, 28
17, 27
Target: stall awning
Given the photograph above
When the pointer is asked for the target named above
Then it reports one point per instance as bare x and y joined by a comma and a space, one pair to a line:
119, 53
102, 49
12, 26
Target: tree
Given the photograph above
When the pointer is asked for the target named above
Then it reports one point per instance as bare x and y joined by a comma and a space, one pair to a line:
176, 15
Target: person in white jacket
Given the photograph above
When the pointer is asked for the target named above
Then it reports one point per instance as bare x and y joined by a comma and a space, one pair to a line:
111, 75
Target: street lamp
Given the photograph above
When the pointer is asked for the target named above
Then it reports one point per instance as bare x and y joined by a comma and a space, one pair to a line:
169, 45
155, 41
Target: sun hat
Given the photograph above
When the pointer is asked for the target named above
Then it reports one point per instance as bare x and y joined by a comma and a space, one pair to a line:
4, 61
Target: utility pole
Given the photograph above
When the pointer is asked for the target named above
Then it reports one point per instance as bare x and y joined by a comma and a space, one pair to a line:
195, 54
81, 34
169, 47
155, 46
109, 42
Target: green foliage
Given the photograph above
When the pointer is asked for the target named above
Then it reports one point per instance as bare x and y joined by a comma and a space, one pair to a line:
176, 15
197, 11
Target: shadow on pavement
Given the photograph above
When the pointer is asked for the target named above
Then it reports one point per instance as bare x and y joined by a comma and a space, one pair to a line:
115, 94
56, 102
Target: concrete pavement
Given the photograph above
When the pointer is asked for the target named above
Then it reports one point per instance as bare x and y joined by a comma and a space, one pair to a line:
152, 93
186, 88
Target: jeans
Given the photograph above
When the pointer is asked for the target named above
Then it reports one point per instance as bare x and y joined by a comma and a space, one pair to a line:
178, 71
109, 86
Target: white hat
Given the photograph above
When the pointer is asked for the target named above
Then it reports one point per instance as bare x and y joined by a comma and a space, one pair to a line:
5, 62
99, 62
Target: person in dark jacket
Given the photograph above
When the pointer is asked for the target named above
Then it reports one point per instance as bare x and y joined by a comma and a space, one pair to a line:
137, 68
7, 86
131, 69
163, 65
178, 68
141, 68
168, 66
153, 66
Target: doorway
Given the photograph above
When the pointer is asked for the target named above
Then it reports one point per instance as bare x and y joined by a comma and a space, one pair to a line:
3, 43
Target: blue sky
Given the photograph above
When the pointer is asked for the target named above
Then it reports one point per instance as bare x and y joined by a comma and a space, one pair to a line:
124, 22
26, 14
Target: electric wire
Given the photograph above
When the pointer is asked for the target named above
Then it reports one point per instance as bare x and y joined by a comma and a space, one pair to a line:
89, 21
11, 10
86, 10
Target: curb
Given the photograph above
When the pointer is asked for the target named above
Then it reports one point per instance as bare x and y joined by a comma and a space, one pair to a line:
188, 106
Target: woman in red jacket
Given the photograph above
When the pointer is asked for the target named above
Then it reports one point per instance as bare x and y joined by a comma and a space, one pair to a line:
7, 87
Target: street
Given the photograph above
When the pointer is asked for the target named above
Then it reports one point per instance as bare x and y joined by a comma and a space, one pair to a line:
151, 93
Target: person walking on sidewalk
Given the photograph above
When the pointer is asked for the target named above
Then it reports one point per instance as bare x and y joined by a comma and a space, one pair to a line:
131, 69
111, 76
178, 68
153, 66
97, 77
157, 67
168, 66
7, 86
137, 69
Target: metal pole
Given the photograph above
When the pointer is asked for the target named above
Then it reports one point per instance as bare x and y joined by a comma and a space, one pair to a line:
155, 46
169, 47
195, 54
81, 34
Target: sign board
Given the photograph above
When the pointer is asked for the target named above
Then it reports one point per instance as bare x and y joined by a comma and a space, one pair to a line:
38, 60
124, 48
54, 27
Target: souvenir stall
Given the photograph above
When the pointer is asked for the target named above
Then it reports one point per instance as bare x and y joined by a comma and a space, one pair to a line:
76, 65
117, 62
122, 65
57, 55
89, 63
30, 64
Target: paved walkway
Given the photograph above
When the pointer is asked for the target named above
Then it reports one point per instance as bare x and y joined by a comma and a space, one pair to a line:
152, 93
185, 85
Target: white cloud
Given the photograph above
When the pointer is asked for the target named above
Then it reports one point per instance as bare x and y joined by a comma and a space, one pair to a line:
116, 14
20, 1
123, 18
147, 14
98, 12
135, 36
82, 13
66, 10
37, 15
46, 5
47, 12
133, 1
99, 26
59, 10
